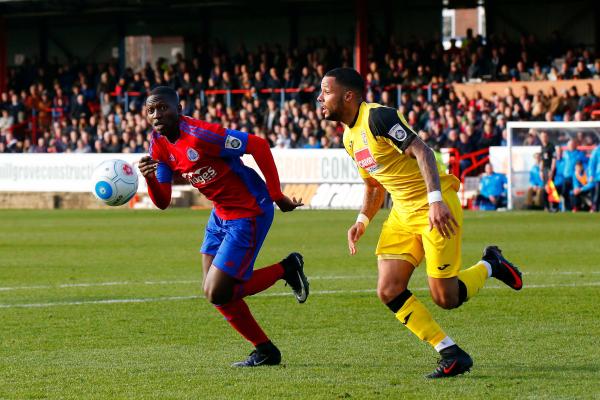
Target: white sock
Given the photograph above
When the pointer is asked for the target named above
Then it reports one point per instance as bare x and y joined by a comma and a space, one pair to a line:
488, 267
445, 343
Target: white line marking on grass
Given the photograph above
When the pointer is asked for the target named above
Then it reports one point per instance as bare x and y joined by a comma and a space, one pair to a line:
179, 282
96, 284
174, 282
198, 282
279, 294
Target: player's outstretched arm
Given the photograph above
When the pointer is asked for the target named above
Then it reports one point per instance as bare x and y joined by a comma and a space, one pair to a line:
159, 192
260, 150
440, 216
372, 201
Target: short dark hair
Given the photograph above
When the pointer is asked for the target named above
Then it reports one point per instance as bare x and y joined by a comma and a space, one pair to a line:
349, 78
166, 92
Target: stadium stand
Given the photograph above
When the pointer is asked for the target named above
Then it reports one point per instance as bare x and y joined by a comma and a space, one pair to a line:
270, 92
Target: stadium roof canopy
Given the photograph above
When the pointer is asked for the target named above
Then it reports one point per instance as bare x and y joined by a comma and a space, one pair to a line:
29, 22
40, 8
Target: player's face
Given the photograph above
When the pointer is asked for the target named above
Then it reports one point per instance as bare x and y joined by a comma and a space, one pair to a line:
331, 99
162, 114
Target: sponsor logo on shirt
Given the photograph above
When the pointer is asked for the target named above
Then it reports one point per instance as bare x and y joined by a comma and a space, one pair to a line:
192, 154
365, 160
232, 143
201, 176
398, 133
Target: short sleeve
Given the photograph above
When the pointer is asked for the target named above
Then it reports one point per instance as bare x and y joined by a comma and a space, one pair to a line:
388, 123
234, 144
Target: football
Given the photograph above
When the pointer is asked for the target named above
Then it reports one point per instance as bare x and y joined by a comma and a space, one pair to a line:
115, 182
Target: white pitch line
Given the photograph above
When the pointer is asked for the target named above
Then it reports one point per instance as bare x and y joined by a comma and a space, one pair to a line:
95, 284
174, 282
197, 282
279, 294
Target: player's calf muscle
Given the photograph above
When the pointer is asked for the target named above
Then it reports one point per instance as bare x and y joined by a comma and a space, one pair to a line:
444, 292
445, 301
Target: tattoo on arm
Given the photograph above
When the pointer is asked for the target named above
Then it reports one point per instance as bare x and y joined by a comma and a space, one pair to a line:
427, 164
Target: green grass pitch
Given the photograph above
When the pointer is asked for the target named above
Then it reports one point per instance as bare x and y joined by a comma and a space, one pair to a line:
107, 305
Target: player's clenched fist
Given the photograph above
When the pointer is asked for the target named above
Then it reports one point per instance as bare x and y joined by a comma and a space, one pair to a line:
147, 166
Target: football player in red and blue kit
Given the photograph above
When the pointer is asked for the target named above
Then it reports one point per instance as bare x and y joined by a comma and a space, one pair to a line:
208, 156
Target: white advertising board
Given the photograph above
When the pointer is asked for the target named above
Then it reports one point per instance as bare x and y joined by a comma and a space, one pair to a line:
54, 172
69, 172
312, 166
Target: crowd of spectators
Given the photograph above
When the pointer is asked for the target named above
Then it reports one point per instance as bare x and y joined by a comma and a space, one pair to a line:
574, 177
78, 107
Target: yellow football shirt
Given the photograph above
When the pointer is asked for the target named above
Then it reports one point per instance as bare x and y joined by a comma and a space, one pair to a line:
377, 141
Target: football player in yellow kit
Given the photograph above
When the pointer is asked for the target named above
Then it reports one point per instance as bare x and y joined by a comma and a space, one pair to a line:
425, 220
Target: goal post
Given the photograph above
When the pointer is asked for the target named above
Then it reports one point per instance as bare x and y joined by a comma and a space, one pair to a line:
518, 154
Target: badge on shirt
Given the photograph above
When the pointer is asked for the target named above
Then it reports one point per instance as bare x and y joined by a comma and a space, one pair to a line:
398, 133
171, 158
363, 134
192, 154
232, 143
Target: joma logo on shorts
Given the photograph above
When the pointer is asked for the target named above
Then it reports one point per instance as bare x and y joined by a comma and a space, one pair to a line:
443, 267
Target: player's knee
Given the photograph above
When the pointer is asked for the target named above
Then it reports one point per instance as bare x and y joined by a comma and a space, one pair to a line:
389, 293
215, 296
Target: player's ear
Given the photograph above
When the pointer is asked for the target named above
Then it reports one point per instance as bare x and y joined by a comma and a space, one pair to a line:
179, 109
348, 96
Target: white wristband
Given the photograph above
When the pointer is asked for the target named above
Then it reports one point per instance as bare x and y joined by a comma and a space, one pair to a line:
434, 196
364, 219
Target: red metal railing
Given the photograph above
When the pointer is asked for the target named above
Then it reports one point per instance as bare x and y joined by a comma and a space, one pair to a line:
477, 158
454, 162
125, 96
475, 161
473, 167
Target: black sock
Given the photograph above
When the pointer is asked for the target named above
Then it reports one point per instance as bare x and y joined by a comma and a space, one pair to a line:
462, 293
399, 301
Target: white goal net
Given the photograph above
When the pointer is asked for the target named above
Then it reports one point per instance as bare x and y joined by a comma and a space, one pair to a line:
516, 159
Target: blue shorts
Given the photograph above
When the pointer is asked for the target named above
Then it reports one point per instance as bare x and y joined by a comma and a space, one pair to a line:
235, 243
